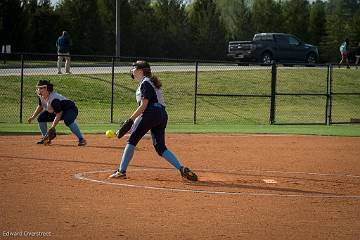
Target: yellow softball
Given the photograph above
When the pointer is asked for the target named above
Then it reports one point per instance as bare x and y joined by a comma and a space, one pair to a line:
110, 133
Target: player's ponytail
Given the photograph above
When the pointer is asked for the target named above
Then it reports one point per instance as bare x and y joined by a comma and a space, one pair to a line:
145, 67
50, 87
156, 81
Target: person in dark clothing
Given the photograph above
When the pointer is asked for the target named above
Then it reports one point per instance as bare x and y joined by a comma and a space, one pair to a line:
63, 45
151, 116
54, 107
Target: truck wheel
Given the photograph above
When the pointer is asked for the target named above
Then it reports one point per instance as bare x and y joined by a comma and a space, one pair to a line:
266, 58
311, 58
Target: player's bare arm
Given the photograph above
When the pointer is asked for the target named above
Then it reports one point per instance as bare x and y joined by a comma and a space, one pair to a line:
35, 114
57, 119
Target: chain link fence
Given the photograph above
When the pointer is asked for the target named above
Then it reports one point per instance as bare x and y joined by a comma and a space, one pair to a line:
196, 92
345, 95
302, 95
228, 93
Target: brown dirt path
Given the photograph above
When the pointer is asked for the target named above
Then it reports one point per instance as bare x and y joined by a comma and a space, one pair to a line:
312, 191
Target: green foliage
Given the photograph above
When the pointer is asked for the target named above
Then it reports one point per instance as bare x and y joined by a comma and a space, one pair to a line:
145, 32
236, 15
82, 20
355, 29
13, 20
208, 32
175, 28
296, 18
266, 16
317, 19
43, 21
339, 25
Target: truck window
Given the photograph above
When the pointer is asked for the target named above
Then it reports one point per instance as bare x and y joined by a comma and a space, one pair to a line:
263, 37
282, 40
293, 41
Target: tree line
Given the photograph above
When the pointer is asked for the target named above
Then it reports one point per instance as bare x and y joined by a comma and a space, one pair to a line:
191, 29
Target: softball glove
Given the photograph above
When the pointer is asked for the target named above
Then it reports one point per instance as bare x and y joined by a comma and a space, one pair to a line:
50, 135
124, 128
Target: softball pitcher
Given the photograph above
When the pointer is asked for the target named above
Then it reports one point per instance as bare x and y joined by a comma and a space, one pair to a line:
150, 115
54, 107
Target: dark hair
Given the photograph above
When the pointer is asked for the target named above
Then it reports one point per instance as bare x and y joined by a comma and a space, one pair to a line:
49, 85
156, 81
145, 66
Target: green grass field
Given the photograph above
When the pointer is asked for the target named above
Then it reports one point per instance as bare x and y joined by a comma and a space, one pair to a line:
334, 130
92, 94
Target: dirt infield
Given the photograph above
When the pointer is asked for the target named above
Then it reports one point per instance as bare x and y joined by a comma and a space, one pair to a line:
251, 187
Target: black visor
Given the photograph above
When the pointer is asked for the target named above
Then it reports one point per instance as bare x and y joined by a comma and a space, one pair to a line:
141, 65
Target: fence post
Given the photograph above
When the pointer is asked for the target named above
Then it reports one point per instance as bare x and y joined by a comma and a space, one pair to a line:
21, 88
196, 85
273, 93
327, 95
330, 94
112, 90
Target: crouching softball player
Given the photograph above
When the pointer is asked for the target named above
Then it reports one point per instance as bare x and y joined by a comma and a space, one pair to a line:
151, 116
54, 107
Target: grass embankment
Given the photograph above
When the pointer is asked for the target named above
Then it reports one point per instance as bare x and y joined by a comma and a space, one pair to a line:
229, 114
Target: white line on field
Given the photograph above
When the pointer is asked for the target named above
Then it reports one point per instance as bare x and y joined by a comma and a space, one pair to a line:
84, 176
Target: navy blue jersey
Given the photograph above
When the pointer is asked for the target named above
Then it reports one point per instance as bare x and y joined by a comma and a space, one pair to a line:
56, 103
147, 90
154, 118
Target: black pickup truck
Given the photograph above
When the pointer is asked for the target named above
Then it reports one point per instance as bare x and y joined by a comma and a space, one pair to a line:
268, 47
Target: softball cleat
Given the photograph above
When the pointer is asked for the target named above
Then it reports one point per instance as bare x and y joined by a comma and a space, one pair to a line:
188, 174
118, 174
41, 141
82, 142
